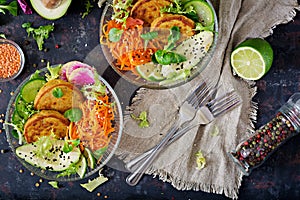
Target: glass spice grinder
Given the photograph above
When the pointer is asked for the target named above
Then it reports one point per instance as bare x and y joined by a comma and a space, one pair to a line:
252, 152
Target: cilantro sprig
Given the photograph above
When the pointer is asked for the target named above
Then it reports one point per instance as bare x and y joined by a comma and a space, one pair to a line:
39, 34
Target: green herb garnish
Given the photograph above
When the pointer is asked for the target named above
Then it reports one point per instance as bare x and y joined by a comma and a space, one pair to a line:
57, 93
70, 144
144, 123
12, 7
73, 114
115, 34
39, 34
149, 36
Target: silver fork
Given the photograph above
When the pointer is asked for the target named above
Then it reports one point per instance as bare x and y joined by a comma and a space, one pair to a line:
206, 113
187, 113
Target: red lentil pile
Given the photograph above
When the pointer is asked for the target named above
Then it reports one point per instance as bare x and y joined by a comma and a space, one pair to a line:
10, 60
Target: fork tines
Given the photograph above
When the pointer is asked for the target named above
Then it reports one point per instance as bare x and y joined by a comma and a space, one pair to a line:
223, 103
201, 94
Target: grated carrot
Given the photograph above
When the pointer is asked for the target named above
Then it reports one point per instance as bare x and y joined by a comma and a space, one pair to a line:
129, 51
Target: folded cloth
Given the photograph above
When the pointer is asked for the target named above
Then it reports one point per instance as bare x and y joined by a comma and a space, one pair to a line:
238, 20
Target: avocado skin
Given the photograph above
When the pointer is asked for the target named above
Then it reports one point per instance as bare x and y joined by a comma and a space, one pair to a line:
51, 14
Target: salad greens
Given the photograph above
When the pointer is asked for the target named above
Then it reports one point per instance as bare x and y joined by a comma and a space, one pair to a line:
91, 185
54, 184
177, 8
53, 72
98, 153
2, 35
200, 160
69, 171
88, 7
70, 144
166, 56
142, 118
12, 7
92, 91
44, 144
39, 34
123, 11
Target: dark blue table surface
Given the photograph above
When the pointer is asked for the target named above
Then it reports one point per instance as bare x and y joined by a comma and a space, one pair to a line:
278, 178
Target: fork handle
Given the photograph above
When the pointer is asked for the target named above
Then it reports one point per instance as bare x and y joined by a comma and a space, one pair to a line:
132, 164
203, 117
133, 178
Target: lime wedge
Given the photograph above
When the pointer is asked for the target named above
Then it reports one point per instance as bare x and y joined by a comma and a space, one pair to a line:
150, 72
81, 166
252, 59
90, 158
204, 11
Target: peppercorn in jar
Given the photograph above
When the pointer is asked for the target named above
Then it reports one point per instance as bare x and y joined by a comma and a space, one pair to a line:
252, 152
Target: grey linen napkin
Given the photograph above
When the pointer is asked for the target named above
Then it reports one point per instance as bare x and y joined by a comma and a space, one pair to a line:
238, 20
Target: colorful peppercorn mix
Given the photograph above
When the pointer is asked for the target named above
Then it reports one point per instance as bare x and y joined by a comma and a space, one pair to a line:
256, 149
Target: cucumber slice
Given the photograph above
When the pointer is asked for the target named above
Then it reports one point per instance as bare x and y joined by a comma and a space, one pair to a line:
20, 107
203, 10
16, 118
30, 89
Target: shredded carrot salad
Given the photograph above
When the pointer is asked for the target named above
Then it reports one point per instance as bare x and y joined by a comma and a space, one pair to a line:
96, 125
129, 51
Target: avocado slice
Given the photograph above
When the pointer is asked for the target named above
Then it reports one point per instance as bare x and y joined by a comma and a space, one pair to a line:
54, 160
50, 13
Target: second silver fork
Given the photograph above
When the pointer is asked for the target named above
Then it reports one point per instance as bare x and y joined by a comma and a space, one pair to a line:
206, 113
187, 113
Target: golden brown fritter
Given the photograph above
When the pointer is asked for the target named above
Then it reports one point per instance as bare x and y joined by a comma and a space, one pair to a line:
44, 123
164, 23
148, 10
46, 100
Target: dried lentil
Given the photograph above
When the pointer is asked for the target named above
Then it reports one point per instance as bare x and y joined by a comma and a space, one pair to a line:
10, 60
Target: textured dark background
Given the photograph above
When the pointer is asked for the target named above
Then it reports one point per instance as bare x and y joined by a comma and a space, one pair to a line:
278, 178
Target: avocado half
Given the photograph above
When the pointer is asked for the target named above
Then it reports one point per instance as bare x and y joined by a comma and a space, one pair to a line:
50, 14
